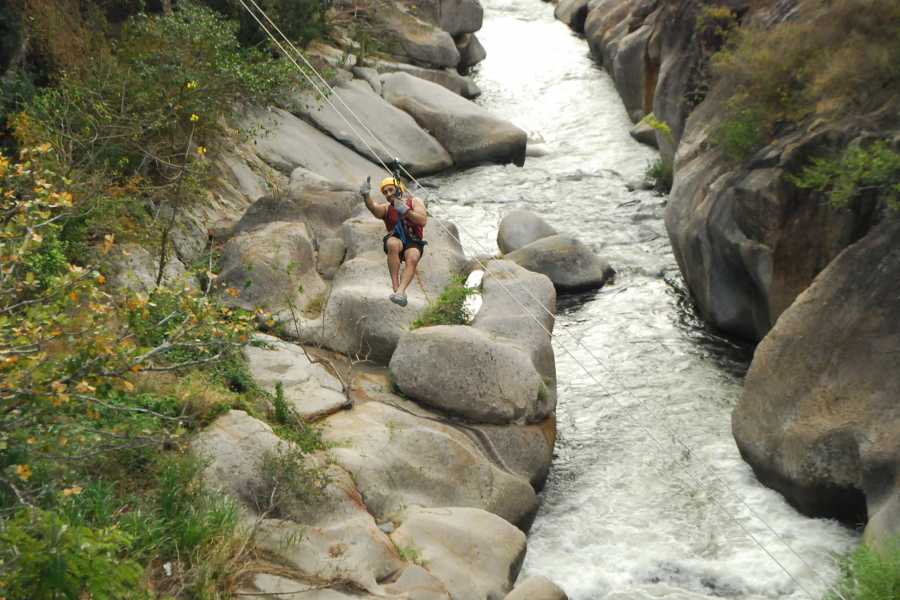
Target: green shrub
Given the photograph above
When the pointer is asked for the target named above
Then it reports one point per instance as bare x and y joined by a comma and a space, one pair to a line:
449, 308
874, 170
44, 557
660, 175
285, 481
869, 575
300, 20
841, 60
281, 408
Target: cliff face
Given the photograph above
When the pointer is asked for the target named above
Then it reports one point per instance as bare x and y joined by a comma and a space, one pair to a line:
761, 255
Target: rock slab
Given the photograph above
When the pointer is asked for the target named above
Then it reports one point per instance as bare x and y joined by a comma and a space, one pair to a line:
570, 264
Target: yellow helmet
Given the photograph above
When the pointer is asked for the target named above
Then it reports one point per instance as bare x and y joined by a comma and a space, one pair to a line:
391, 181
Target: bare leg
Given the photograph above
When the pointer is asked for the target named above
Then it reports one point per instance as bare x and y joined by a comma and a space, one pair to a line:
394, 248
412, 261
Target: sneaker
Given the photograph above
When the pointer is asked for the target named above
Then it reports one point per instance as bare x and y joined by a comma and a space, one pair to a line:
398, 299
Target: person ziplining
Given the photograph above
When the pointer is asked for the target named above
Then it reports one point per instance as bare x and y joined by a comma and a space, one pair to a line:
404, 218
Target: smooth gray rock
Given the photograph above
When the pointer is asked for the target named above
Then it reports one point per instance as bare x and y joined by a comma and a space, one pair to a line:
271, 267
518, 306
519, 228
573, 13
416, 39
570, 264
387, 133
400, 460
474, 553
471, 52
285, 142
524, 450
309, 388
468, 132
234, 444
370, 76
453, 16
330, 257
643, 133
537, 588
818, 420
629, 73
132, 267
360, 319
417, 583
448, 78
321, 204
463, 371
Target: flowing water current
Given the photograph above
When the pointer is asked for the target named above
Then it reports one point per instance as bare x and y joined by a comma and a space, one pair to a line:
648, 496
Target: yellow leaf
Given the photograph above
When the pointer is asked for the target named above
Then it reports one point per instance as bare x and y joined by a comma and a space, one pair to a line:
84, 387
72, 491
37, 237
108, 241
24, 472
101, 279
128, 386
73, 296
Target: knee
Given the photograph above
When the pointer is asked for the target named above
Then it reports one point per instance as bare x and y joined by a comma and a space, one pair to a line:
394, 246
412, 258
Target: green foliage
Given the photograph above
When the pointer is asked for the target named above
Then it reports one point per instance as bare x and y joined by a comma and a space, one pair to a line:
874, 170
300, 20
449, 308
841, 60
286, 482
870, 575
412, 555
281, 408
44, 557
660, 175
659, 125
141, 117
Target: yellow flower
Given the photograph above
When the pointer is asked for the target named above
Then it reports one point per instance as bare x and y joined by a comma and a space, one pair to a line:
24, 472
194, 117
191, 85
201, 150
4, 164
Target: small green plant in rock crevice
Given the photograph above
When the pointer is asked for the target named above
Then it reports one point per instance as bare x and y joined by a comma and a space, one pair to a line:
449, 308
873, 170
661, 172
869, 574
285, 482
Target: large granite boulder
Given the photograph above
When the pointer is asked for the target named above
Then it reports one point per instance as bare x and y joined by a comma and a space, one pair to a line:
453, 16
570, 264
400, 460
519, 228
285, 142
448, 78
386, 132
518, 306
419, 41
463, 371
321, 204
470, 134
132, 267
308, 387
537, 588
327, 535
573, 13
360, 320
272, 267
820, 418
471, 52
474, 553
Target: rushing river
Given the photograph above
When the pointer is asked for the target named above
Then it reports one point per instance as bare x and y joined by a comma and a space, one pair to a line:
624, 516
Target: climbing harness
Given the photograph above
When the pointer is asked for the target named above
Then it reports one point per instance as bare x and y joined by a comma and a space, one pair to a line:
627, 411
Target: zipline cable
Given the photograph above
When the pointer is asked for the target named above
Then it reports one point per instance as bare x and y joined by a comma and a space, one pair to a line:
628, 390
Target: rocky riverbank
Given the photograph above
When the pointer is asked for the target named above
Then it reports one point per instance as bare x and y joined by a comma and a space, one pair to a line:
438, 439
766, 259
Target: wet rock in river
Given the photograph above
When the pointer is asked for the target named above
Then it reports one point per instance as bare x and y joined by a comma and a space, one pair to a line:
519, 228
537, 588
570, 264
819, 419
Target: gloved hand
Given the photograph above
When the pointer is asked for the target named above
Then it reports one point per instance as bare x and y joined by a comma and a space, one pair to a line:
400, 205
365, 188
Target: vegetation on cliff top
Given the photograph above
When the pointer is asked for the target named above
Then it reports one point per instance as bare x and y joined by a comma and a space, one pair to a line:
842, 61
